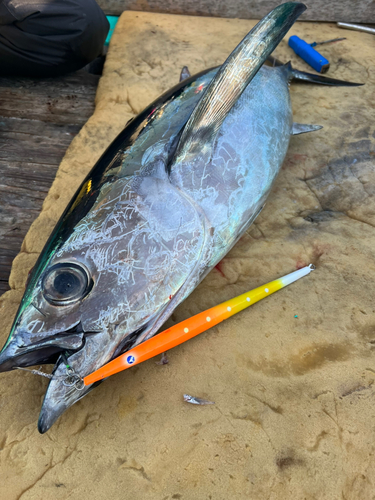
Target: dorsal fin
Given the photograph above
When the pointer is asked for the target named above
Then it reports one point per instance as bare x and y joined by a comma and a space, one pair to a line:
185, 73
234, 76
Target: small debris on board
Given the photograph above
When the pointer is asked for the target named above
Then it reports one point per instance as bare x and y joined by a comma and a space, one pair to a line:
197, 401
163, 360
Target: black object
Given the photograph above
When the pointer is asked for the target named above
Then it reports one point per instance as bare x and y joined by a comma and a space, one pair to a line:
49, 37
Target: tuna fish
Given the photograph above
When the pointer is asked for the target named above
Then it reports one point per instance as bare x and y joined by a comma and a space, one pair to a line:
164, 204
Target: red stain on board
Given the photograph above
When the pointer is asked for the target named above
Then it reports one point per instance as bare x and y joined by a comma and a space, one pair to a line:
295, 159
299, 157
317, 250
320, 249
300, 264
218, 267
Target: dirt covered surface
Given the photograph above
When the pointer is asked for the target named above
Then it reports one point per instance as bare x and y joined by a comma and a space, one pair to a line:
294, 414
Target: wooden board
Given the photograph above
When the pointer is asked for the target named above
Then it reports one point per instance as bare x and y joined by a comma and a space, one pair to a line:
317, 10
38, 120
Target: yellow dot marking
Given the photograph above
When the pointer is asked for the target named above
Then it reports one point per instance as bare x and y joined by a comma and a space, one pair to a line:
248, 299
229, 308
266, 290
186, 330
208, 318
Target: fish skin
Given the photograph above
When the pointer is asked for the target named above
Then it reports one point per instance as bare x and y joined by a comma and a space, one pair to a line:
147, 228
221, 217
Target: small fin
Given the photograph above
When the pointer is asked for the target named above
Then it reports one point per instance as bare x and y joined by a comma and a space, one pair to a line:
302, 128
185, 73
234, 76
301, 76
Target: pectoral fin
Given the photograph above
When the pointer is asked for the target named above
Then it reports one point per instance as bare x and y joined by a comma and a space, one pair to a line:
234, 76
302, 128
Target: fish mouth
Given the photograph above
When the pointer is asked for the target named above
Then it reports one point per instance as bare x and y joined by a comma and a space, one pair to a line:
45, 351
40, 353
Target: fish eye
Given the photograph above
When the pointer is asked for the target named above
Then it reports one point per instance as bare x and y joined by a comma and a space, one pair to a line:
66, 283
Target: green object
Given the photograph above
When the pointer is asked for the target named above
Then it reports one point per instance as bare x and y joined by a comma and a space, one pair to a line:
112, 23
296, 315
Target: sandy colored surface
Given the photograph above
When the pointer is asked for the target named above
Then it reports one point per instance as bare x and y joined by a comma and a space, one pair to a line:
294, 414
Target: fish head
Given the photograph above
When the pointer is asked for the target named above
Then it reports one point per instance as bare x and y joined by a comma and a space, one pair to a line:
77, 310
105, 287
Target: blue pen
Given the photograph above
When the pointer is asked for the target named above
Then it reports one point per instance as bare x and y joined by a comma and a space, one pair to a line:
309, 54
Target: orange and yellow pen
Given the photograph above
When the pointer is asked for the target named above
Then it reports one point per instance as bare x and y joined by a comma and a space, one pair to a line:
193, 326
